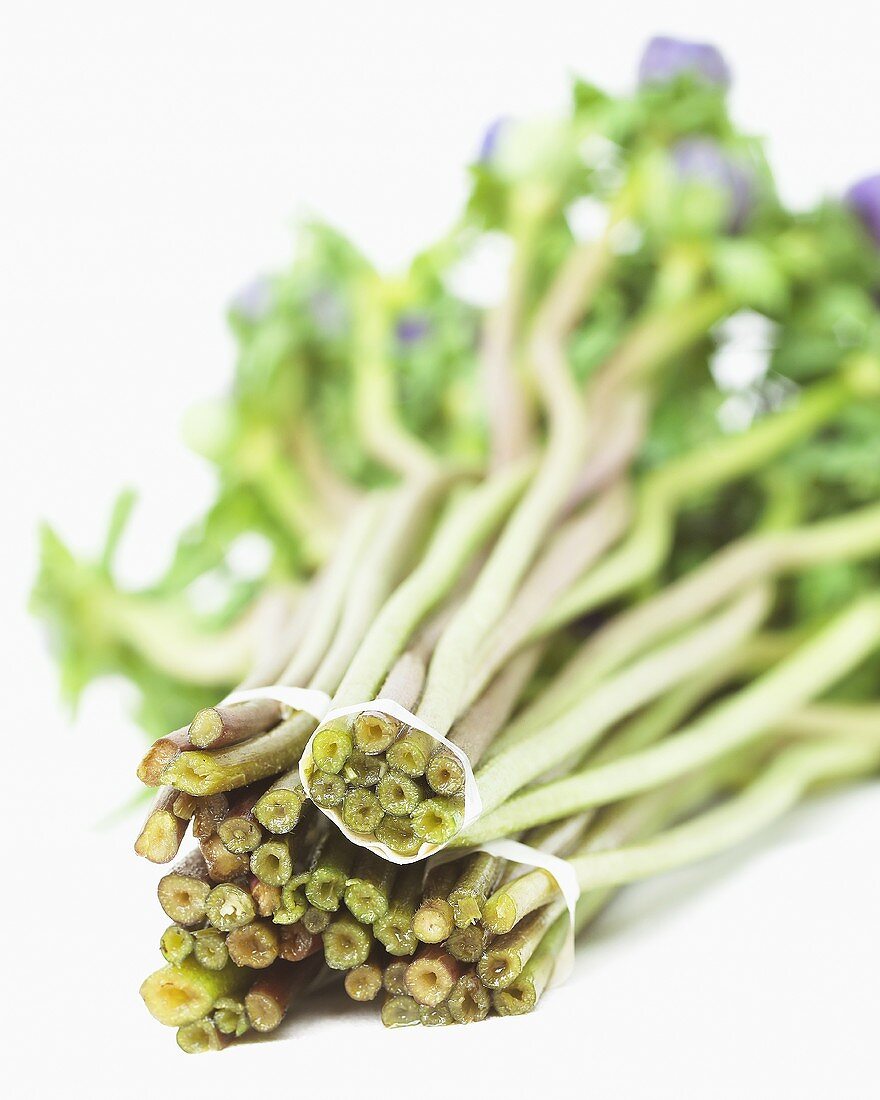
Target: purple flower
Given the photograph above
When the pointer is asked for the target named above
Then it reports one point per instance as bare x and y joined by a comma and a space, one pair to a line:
253, 301
489, 144
666, 58
863, 198
412, 327
702, 160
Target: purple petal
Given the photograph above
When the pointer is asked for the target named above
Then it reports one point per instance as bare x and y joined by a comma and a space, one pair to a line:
704, 161
666, 58
253, 301
490, 139
863, 198
413, 327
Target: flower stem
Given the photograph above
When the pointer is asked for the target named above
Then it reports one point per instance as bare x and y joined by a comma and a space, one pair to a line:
210, 949
524, 992
272, 861
575, 547
223, 866
431, 975
434, 919
280, 808
329, 872
776, 789
367, 891
469, 1002
473, 886
230, 1017
216, 727
574, 731
176, 944
255, 945
517, 898
239, 830
347, 943
270, 997
466, 527
395, 930
400, 1010
160, 754
213, 771
229, 906
736, 721
332, 589
200, 1037
666, 489
178, 995
163, 831
364, 982
506, 956
843, 538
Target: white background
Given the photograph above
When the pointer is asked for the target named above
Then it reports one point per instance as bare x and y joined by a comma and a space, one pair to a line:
154, 157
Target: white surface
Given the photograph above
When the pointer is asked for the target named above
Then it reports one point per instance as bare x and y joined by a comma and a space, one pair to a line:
153, 157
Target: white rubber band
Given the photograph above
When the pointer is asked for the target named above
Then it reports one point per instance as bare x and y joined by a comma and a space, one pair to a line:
473, 804
559, 869
310, 700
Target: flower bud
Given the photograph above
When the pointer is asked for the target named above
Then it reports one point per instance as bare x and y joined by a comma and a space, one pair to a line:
666, 58
863, 198
491, 137
412, 328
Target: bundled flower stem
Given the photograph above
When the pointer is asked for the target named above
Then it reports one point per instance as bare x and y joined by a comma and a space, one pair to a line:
554, 548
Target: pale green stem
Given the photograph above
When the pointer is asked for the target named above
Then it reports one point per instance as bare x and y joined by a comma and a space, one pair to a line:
409, 512
475, 730
285, 493
332, 589
166, 637
619, 439
665, 490
210, 772
507, 405
847, 538
524, 992
468, 524
734, 722
577, 729
857, 720
659, 335
646, 728
629, 822
375, 402
663, 716
338, 496
525, 530
650, 344
782, 784
575, 547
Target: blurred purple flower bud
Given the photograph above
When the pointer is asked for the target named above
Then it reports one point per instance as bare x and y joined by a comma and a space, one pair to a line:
490, 140
863, 198
412, 327
253, 301
666, 58
703, 160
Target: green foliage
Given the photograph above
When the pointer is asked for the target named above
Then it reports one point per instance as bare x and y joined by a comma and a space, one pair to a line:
291, 410
85, 616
